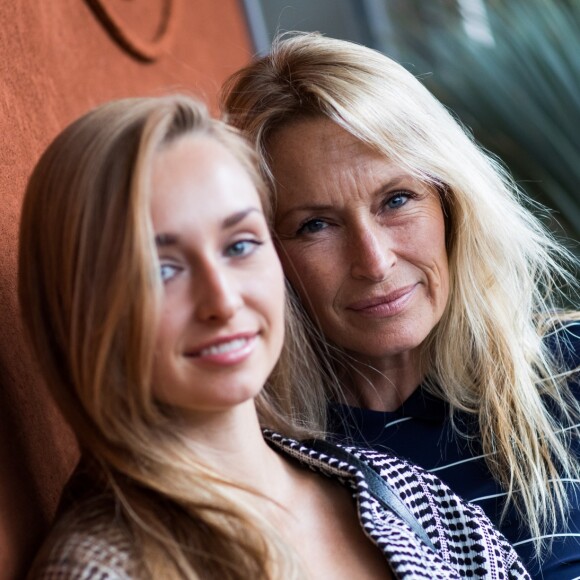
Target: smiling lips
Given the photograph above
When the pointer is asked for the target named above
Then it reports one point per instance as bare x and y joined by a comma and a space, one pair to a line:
386, 305
227, 350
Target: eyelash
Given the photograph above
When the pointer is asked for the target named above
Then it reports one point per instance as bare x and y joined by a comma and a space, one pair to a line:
403, 193
176, 270
303, 228
253, 243
250, 247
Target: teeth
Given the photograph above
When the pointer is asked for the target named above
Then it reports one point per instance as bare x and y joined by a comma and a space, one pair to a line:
224, 347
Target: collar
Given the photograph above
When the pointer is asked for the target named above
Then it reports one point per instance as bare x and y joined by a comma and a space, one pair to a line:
421, 404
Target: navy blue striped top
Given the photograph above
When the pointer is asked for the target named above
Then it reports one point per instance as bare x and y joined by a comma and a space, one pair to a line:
421, 431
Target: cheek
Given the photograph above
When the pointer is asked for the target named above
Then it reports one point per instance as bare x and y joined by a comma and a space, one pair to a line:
426, 240
310, 274
167, 328
269, 291
271, 297
291, 262
163, 341
440, 253
161, 338
437, 262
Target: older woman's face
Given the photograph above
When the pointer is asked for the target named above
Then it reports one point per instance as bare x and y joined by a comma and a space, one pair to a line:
361, 240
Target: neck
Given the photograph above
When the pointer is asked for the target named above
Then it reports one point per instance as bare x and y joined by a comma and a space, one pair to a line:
382, 384
232, 444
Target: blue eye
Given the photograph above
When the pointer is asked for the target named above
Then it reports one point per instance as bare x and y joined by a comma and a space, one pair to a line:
397, 200
312, 226
168, 271
242, 248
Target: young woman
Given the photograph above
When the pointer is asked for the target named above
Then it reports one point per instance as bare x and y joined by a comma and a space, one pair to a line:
435, 294
154, 300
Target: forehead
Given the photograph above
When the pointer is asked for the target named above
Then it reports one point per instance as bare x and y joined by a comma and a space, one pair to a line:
201, 158
315, 134
310, 152
316, 158
198, 175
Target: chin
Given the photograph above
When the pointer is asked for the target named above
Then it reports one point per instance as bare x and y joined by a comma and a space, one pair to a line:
389, 345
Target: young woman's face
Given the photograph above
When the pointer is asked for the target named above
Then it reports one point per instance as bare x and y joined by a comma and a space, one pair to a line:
361, 240
222, 322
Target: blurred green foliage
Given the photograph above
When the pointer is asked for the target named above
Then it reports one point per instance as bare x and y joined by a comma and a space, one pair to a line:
517, 88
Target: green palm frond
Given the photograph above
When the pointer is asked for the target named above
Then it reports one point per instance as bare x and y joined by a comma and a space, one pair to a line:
520, 94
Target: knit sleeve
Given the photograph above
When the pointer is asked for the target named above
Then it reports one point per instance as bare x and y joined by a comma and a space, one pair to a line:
80, 552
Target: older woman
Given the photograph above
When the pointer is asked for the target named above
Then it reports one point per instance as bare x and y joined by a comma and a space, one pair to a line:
432, 290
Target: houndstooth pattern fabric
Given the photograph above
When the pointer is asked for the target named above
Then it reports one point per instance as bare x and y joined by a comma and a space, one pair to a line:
85, 546
467, 544
91, 546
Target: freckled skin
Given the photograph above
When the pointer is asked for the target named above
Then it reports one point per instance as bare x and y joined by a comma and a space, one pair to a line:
353, 226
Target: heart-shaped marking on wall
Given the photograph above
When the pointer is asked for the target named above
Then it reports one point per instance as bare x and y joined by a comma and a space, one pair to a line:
121, 32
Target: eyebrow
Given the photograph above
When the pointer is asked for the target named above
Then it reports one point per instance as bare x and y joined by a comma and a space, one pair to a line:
238, 217
165, 240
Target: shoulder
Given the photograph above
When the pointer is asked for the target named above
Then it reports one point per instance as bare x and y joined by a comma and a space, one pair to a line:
423, 492
460, 531
87, 542
413, 484
463, 537
563, 343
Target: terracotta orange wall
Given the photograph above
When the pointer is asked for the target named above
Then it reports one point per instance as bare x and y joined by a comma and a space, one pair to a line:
59, 58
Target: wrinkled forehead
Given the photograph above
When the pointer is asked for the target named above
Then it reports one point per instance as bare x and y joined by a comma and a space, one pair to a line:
316, 139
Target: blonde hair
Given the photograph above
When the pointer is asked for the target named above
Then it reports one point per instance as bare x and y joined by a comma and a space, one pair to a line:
89, 292
488, 355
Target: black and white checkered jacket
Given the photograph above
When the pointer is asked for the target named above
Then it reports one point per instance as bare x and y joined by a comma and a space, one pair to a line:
466, 543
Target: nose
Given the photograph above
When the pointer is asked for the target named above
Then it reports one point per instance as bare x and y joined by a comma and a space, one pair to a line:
217, 297
371, 251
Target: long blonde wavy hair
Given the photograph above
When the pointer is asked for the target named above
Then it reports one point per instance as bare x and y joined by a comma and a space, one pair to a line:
89, 291
488, 355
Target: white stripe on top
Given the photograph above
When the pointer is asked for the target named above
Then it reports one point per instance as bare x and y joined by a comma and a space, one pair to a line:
397, 421
458, 462
545, 537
